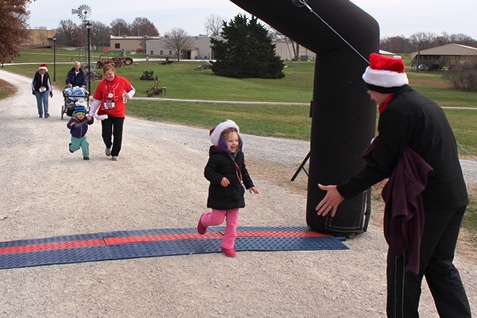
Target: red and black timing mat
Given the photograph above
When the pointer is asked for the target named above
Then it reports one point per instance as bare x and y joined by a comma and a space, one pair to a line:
157, 242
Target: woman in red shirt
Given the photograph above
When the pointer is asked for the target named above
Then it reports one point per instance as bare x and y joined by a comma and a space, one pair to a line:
110, 100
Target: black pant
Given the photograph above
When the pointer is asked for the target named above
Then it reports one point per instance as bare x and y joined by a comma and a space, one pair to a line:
438, 243
113, 129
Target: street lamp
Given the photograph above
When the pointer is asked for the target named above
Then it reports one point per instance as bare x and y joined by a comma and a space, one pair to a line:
88, 27
54, 58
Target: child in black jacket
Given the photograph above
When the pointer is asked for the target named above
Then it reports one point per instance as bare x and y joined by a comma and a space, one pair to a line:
228, 175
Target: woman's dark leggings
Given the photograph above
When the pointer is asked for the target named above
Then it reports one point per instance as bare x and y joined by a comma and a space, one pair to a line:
112, 133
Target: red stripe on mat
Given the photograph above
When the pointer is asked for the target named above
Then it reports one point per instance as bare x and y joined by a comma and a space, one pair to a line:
146, 238
189, 236
50, 246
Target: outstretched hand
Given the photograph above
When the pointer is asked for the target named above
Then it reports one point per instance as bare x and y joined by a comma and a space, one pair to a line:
330, 202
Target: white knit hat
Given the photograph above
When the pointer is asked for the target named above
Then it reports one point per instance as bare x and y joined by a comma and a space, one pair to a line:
216, 132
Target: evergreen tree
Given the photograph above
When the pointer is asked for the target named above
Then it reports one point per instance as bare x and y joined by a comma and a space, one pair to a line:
246, 51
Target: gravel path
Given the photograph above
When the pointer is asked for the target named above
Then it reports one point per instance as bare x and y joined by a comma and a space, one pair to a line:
158, 183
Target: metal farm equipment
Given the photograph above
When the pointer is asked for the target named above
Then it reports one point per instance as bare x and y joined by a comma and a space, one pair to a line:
116, 61
94, 75
148, 76
155, 91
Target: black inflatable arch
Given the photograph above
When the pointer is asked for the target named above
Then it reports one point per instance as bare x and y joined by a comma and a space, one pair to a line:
343, 116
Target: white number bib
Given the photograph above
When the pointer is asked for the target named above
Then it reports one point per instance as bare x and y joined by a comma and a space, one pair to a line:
109, 104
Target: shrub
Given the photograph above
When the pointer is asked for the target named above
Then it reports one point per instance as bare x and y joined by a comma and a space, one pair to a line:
463, 76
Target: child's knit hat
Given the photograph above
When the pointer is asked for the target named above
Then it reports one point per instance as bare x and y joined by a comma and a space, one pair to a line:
43, 67
80, 110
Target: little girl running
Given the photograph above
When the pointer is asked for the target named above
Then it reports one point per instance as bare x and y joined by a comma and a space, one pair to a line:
227, 174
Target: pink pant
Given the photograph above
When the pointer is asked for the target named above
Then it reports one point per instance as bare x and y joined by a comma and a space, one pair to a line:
217, 217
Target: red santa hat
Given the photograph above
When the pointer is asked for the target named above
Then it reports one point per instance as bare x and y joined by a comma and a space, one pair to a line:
385, 74
216, 132
43, 67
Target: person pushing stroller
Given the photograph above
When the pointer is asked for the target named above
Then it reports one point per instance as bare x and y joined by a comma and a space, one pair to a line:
78, 126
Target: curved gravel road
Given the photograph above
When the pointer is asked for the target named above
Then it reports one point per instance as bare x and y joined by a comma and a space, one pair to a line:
158, 183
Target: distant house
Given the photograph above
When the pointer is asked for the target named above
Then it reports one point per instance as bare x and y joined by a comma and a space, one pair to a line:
38, 38
286, 51
200, 48
129, 43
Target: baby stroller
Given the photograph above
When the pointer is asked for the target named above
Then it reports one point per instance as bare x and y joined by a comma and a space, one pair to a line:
73, 95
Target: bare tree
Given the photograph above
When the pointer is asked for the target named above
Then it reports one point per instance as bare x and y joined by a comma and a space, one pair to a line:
119, 27
398, 44
14, 26
214, 24
69, 34
143, 27
42, 36
423, 40
275, 35
178, 40
457, 39
99, 34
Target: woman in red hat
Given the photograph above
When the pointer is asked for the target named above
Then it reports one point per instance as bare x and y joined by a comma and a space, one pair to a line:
41, 87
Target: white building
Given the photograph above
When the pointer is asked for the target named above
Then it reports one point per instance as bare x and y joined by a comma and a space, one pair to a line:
129, 43
285, 49
201, 49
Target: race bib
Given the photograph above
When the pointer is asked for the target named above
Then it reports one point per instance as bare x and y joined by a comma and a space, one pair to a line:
42, 89
109, 104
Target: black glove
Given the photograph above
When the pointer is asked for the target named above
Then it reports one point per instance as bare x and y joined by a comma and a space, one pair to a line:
32, 92
51, 94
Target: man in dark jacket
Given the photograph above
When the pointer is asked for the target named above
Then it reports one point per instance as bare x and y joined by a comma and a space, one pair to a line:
409, 120
76, 76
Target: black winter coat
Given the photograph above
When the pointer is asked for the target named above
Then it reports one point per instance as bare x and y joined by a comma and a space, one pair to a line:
412, 120
221, 165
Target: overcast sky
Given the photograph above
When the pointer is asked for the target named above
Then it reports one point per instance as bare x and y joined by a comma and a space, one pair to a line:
396, 17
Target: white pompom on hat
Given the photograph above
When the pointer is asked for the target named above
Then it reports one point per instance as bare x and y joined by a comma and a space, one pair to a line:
216, 132
385, 73
43, 67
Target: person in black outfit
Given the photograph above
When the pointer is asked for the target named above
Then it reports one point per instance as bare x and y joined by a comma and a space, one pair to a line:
76, 76
425, 195
41, 87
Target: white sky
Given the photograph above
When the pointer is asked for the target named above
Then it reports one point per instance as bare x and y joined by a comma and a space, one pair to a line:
397, 17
